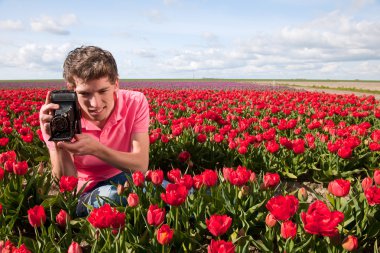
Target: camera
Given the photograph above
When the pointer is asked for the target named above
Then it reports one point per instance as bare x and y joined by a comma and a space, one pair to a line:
66, 120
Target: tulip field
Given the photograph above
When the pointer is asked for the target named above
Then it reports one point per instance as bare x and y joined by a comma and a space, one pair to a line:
251, 168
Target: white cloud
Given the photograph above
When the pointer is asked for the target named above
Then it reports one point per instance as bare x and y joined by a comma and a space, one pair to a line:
11, 24
155, 16
49, 24
145, 53
33, 56
321, 47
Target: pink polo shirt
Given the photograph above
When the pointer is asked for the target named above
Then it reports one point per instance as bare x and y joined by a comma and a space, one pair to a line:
130, 115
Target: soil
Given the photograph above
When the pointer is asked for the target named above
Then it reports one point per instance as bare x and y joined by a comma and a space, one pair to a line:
315, 86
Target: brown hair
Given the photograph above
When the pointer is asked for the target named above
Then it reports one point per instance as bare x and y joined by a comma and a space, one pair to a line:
89, 63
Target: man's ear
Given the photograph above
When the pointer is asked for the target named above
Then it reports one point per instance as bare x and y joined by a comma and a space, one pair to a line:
117, 85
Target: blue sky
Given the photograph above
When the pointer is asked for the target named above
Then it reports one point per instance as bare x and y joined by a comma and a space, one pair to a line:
313, 39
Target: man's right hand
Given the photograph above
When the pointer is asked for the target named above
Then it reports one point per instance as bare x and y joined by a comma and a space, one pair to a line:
46, 115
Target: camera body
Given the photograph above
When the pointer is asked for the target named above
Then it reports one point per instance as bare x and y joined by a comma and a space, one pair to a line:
66, 120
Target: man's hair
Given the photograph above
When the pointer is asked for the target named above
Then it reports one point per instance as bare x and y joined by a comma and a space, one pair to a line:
89, 63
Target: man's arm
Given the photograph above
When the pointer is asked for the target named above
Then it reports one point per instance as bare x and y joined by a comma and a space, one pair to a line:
62, 163
136, 160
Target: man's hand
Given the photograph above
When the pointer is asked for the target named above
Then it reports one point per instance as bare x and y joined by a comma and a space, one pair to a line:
83, 145
46, 115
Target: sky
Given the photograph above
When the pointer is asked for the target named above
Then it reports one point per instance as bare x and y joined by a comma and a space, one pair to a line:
271, 39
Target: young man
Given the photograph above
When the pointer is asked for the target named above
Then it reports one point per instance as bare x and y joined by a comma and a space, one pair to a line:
115, 122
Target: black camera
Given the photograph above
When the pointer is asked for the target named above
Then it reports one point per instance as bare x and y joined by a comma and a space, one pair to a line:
66, 120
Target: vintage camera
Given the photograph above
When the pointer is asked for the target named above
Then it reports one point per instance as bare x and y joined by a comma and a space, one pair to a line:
66, 120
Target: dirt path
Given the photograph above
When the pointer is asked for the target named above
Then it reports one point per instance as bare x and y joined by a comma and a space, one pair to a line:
316, 86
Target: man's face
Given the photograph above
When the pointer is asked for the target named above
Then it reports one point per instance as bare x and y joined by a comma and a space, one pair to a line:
96, 99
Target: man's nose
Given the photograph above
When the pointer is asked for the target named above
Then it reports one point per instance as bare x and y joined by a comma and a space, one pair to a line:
94, 101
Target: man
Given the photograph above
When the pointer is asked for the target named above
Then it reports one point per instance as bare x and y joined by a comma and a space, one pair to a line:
115, 123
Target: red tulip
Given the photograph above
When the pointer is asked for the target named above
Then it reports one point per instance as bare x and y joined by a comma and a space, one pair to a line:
106, 217
67, 183
282, 207
376, 177
157, 177
270, 220
174, 175
175, 194
288, 229
74, 248
164, 234
36, 216
210, 177
350, 243
366, 183
220, 246
20, 168
1, 173
320, 220
155, 215
138, 178
373, 195
218, 224
62, 218
184, 156
133, 199
271, 180
339, 187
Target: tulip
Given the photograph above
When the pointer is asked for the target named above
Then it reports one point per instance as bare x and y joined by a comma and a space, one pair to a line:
138, 178
376, 177
36, 216
302, 194
339, 187
62, 218
133, 199
155, 215
175, 194
282, 207
350, 243
1, 173
270, 220
220, 246
157, 177
271, 180
164, 234
288, 229
218, 224
120, 189
67, 183
366, 183
74, 248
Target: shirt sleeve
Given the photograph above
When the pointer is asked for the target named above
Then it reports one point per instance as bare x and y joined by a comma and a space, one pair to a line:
141, 124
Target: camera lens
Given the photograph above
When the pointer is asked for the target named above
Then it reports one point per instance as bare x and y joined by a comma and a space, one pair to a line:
59, 123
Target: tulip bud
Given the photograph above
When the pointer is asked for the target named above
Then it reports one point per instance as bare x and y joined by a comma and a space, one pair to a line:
270, 220
41, 168
376, 176
74, 248
126, 185
245, 190
133, 199
252, 178
302, 194
367, 183
350, 243
120, 189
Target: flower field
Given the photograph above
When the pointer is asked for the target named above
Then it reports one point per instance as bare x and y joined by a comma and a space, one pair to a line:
251, 168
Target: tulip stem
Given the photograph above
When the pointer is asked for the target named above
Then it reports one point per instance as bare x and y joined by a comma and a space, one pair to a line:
176, 217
